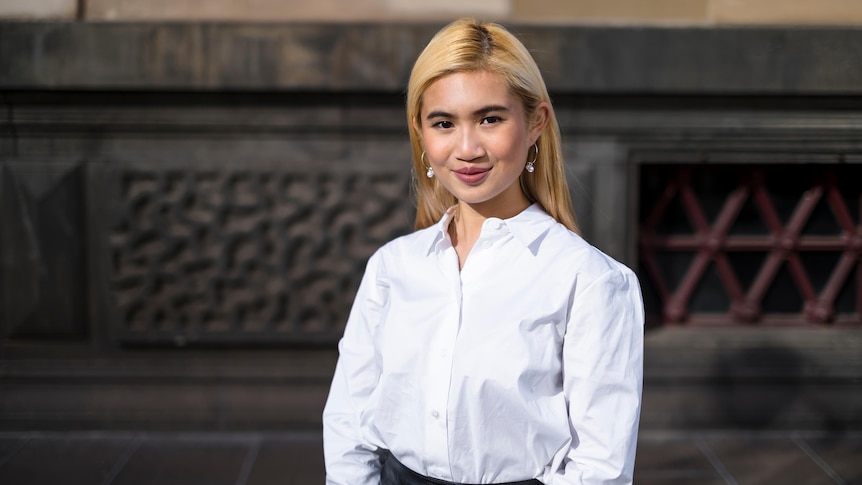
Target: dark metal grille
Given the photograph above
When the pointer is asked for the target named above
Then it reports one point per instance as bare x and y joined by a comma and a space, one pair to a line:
751, 244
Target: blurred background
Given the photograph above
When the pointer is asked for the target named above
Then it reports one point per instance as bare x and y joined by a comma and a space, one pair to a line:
189, 191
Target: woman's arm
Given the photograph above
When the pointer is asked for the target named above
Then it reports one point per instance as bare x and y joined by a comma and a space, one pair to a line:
603, 379
350, 459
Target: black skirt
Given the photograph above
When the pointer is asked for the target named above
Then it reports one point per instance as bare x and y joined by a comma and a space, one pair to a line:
395, 473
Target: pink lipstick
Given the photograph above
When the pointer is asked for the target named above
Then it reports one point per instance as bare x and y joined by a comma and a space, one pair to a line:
472, 175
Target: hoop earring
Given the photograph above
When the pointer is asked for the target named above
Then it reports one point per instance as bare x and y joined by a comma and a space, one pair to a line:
430, 171
531, 165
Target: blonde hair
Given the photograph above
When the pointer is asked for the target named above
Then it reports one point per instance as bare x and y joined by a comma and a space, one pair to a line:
467, 45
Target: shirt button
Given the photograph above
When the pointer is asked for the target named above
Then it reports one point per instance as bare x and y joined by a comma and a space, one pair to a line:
486, 244
497, 224
437, 472
435, 414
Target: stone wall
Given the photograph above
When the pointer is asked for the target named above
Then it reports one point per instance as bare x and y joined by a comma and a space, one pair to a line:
186, 206
688, 12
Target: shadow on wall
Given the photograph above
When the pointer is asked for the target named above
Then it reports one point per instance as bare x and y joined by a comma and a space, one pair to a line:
775, 387
757, 386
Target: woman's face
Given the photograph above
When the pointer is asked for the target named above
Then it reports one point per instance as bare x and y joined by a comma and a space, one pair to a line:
476, 137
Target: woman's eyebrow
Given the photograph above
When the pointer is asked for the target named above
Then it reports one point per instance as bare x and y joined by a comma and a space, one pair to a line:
438, 114
479, 112
490, 109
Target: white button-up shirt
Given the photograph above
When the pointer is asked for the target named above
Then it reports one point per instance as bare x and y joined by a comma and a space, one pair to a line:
526, 363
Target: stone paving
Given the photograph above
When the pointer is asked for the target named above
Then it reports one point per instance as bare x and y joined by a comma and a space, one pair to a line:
239, 458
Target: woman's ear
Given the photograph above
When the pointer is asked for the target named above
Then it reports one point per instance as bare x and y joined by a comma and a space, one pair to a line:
541, 118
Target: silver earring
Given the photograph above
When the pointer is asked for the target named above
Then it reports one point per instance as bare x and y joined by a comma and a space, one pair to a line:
430, 172
531, 165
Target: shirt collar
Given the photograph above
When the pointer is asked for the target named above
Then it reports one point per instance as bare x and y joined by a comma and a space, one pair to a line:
527, 226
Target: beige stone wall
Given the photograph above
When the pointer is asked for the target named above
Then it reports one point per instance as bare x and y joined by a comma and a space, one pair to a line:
705, 12
616, 11
838, 12
39, 9
693, 12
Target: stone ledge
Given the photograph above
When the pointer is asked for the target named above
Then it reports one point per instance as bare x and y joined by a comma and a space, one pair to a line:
378, 56
721, 378
751, 355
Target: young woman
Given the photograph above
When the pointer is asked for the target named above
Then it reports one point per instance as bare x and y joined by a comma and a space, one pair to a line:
493, 345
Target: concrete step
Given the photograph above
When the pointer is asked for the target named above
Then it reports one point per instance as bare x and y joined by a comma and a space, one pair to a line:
214, 458
701, 378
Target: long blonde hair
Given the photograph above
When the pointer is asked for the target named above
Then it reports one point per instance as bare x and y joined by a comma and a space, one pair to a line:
467, 45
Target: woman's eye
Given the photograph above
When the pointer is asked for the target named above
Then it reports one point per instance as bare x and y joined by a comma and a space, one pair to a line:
490, 119
443, 124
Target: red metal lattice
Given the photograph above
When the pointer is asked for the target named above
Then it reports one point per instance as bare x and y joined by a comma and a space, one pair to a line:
783, 245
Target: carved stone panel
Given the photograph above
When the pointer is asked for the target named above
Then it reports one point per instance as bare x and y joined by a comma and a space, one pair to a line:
247, 257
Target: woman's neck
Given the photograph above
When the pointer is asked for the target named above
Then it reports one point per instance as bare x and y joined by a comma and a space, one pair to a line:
466, 225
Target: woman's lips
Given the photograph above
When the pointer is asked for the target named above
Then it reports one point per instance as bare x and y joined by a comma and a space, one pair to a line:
472, 175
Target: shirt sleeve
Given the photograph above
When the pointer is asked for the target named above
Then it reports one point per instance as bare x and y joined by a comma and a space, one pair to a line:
603, 380
350, 458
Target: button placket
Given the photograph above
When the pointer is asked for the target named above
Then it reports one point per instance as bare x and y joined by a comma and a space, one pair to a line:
439, 374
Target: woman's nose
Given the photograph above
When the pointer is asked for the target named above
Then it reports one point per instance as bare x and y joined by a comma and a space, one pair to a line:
469, 146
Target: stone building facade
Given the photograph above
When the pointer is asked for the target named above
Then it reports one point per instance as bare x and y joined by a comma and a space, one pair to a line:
186, 207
